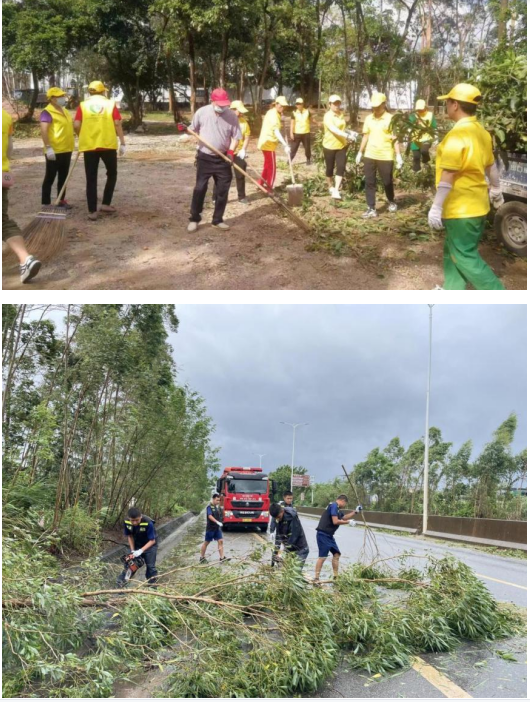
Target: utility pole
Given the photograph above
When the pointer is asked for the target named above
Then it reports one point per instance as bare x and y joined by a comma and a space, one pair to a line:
260, 457
294, 426
312, 489
426, 466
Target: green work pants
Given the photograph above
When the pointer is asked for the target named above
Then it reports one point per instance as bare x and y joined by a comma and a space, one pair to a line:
9, 227
462, 261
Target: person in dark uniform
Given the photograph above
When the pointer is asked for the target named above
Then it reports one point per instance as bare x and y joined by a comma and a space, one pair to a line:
141, 534
214, 524
288, 498
329, 522
289, 531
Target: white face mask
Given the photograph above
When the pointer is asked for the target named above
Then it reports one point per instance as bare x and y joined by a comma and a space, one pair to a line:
61, 101
219, 109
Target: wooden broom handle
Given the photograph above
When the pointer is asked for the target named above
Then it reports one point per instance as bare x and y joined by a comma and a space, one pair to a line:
63, 189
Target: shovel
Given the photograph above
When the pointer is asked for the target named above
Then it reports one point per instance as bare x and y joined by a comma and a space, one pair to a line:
295, 193
298, 220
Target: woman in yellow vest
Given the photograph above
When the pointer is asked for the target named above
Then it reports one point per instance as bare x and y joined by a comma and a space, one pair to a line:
335, 144
269, 138
57, 131
301, 130
420, 148
98, 123
11, 234
381, 146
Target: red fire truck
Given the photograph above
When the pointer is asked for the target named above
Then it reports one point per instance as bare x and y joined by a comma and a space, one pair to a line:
246, 495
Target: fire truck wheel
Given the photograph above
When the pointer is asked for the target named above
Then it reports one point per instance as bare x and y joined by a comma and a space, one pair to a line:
510, 226
263, 527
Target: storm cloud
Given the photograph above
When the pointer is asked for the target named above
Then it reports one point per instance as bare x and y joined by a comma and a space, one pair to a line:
356, 373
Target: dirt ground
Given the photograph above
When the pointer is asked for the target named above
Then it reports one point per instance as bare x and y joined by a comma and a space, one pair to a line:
146, 245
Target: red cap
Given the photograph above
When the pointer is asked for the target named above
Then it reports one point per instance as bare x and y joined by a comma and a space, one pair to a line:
220, 96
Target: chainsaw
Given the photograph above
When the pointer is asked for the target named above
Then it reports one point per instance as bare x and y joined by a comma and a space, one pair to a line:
131, 565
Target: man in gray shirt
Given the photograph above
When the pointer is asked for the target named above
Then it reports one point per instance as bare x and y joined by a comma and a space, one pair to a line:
219, 126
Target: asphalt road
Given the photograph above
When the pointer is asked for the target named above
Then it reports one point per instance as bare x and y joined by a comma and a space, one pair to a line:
504, 577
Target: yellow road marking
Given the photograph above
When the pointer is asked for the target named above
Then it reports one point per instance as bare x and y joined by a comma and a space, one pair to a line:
439, 680
504, 582
260, 537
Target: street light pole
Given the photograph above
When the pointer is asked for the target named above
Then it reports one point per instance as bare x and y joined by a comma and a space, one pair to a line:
260, 457
426, 466
294, 426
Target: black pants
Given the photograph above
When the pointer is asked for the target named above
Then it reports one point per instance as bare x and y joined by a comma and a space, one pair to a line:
211, 167
304, 139
420, 156
92, 158
385, 169
335, 157
58, 168
240, 179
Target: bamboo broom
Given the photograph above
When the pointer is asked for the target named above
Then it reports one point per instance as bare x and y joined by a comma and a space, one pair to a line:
45, 235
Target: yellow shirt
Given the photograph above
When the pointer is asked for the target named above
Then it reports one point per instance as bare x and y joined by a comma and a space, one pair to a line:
7, 131
380, 139
427, 118
330, 140
302, 124
268, 141
245, 131
61, 130
97, 127
467, 149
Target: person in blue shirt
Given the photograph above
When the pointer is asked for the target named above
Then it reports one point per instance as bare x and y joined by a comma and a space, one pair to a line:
141, 535
214, 524
329, 522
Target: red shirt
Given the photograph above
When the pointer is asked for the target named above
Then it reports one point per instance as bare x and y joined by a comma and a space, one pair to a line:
115, 116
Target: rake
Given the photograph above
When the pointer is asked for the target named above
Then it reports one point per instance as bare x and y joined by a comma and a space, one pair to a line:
45, 235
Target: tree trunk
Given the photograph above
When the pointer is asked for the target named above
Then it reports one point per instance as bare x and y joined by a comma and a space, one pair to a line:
28, 117
223, 59
503, 13
193, 73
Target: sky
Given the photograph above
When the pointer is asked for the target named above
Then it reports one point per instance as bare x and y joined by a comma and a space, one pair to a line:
357, 374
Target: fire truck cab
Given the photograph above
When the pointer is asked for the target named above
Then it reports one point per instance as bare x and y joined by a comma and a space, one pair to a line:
246, 495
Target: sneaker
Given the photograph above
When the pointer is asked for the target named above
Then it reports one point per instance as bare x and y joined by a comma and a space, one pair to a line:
224, 558
92, 216
29, 269
193, 226
438, 287
108, 209
308, 162
244, 201
202, 560
369, 213
335, 194
221, 225
392, 207
65, 205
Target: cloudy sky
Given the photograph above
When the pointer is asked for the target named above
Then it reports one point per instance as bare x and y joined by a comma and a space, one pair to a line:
356, 373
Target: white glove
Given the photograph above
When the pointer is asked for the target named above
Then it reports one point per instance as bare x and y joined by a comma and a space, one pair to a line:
359, 508
435, 217
50, 154
287, 149
242, 153
496, 197
137, 553
353, 522
352, 136
122, 149
399, 161
359, 157
219, 524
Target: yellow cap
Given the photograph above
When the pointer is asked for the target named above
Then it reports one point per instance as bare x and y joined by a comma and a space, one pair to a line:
281, 101
55, 92
377, 99
96, 87
238, 105
464, 92
299, 101
420, 104
334, 98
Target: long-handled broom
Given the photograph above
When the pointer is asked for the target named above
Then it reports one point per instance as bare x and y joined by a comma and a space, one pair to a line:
299, 221
45, 235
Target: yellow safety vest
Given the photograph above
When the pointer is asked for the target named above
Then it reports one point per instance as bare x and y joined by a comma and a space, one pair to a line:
301, 122
268, 141
61, 130
7, 130
97, 128
245, 132
425, 136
